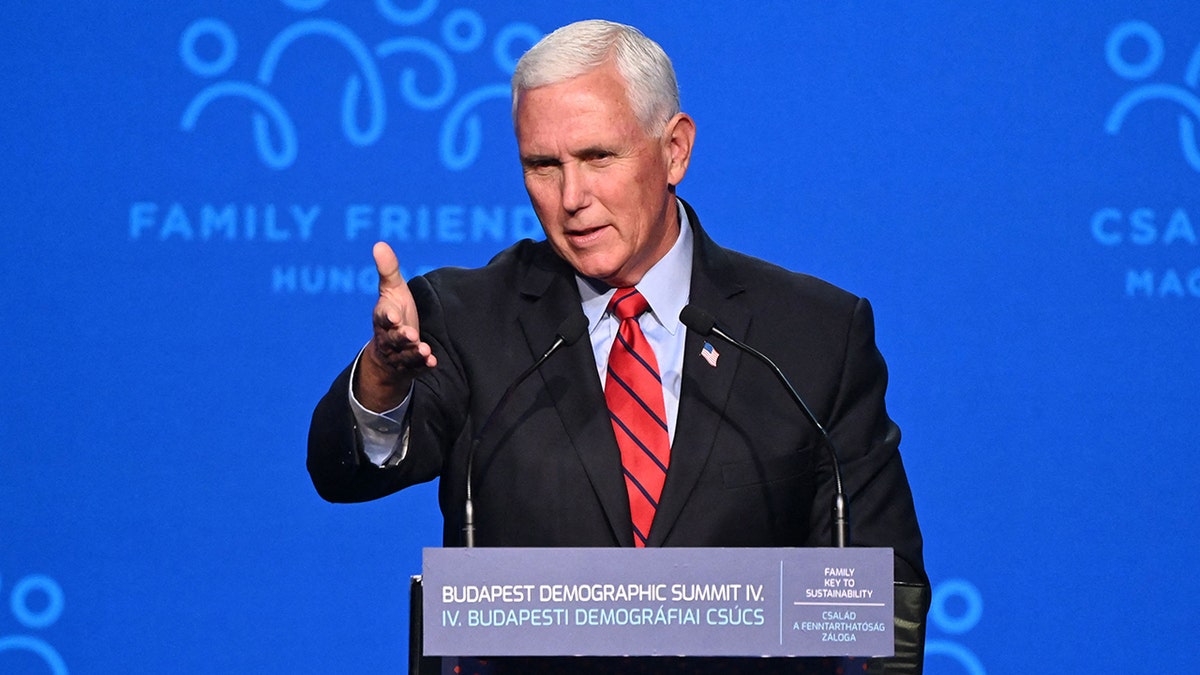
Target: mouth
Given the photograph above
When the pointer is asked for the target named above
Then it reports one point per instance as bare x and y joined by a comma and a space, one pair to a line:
585, 236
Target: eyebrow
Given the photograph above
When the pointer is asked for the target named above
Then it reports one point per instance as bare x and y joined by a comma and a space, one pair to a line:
583, 153
594, 151
539, 160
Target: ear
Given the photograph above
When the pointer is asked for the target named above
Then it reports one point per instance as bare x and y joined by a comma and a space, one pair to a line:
678, 138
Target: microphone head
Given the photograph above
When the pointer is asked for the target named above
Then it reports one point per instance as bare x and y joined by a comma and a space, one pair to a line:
698, 320
572, 328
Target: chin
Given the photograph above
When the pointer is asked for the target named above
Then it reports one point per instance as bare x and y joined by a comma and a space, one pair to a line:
594, 270
597, 275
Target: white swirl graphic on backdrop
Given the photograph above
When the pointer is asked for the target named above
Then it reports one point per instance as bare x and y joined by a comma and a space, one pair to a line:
32, 618
274, 131
1151, 43
941, 616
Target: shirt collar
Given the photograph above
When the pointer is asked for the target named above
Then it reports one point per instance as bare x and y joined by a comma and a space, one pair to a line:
665, 286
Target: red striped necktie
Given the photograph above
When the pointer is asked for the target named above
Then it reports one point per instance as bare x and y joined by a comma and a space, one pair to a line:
633, 390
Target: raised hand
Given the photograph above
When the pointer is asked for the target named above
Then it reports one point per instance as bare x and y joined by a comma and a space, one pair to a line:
395, 354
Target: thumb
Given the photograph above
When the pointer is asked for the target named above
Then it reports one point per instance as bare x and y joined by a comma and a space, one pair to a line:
388, 267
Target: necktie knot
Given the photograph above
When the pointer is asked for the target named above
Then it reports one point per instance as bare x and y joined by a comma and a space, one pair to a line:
627, 303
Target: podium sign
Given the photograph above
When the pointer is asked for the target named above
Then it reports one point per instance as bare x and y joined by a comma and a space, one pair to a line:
658, 602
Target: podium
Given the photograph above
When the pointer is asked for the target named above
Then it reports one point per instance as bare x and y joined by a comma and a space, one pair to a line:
756, 607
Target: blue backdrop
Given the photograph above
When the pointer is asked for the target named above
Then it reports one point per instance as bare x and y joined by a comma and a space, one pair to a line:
191, 189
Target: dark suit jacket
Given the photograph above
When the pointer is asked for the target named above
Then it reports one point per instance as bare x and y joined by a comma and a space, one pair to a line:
746, 468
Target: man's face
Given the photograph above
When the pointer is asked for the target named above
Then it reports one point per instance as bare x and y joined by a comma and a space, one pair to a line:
598, 183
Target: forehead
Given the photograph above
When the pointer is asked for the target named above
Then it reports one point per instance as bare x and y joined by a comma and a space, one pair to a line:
588, 109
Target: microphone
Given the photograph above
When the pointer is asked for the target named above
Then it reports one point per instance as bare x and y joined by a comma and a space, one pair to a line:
703, 323
569, 332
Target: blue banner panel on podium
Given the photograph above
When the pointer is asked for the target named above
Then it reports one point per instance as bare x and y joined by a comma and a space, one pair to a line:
658, 602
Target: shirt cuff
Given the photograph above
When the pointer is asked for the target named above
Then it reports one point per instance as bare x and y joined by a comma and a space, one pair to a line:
385, 434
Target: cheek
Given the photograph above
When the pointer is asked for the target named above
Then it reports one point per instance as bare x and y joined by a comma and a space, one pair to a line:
544, 206
541, 189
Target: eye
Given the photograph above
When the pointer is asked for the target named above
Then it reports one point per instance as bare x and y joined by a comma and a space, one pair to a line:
540, 164
600, 156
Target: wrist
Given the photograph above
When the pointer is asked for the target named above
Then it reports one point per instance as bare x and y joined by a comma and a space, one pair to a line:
378, 386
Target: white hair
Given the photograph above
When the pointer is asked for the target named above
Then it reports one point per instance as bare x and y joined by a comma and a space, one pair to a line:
578, 48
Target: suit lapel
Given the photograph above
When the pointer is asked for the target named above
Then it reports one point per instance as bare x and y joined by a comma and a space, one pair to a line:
549, 286
705, 388
570, 377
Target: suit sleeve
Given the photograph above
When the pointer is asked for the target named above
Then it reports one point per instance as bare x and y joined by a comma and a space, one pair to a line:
868, 442
341, 471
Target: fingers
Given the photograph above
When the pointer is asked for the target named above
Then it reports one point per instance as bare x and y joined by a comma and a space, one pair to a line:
388, 314
391, 330
389, 365
400, 352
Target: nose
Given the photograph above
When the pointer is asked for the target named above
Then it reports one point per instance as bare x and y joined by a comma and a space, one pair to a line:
575, 193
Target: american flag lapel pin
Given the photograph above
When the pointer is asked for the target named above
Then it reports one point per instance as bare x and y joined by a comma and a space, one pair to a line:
710, 354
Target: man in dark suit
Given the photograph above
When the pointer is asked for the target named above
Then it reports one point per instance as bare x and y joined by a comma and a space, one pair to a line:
603, 145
